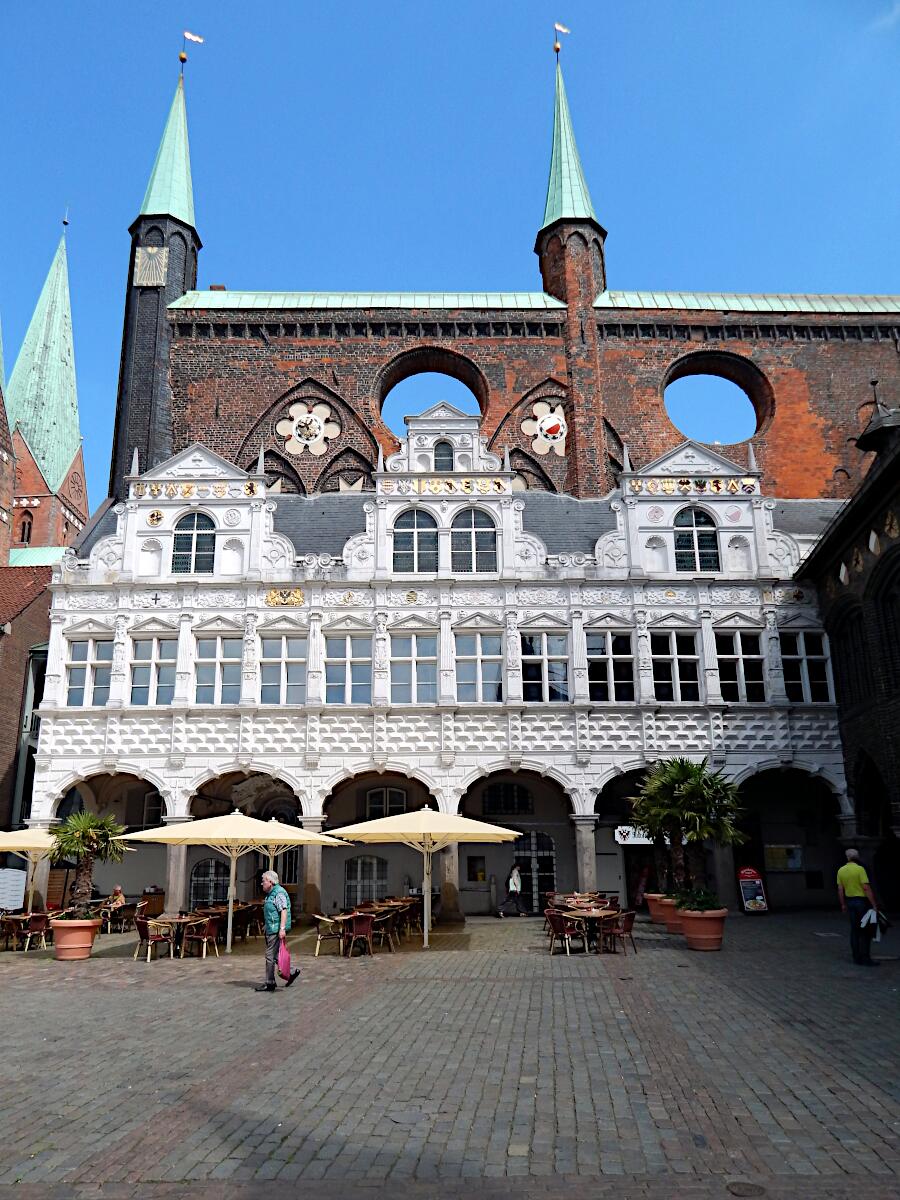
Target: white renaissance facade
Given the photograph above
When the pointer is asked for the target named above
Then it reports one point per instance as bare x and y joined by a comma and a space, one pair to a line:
446, 629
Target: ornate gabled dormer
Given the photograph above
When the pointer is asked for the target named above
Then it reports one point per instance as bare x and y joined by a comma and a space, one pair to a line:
445, 440
194, 517
692, 512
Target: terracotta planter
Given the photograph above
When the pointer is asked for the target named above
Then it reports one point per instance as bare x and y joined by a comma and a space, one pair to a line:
670, 914
704, 930
73, 939
653, 899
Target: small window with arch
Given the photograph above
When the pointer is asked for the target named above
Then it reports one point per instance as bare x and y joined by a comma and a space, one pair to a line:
443, 456
194, 548
473, 542
415, 542
25, 529
696, 541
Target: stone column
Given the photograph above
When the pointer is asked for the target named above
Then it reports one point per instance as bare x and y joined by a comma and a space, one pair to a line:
449, 877
446, 676
381, 663
774, 663
580, 686
586, 850
315, 670
709, 659
249, 663
54, 680
119, 673
513, 659
184, 662
176, 871
312, 869
645, 693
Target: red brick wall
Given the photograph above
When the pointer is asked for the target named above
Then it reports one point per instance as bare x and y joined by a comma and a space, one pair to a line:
30, 628
50, 524
231, 375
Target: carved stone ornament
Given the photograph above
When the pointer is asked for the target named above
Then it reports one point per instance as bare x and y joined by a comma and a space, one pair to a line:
547, 428
306, 428
232, 516
285, 597
155, 517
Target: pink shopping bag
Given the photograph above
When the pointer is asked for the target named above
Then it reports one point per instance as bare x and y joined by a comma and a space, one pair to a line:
284, 960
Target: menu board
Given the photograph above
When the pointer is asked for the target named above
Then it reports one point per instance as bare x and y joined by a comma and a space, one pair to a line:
753, 894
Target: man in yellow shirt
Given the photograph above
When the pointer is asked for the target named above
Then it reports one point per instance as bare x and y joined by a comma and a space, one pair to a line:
856, 897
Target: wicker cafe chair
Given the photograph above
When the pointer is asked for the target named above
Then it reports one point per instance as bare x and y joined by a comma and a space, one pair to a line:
327, 931
386, 927
563, 929
360, 931
617, 930
201, 933
37, 927
151, 934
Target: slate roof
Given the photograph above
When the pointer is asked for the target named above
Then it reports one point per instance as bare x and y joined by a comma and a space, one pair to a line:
804, 517
19, 587
321, 524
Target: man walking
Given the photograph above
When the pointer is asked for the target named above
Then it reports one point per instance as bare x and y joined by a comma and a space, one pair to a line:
513, 893
856, 897
277, 921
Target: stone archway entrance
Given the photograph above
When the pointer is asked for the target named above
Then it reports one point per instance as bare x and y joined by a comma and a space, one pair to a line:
790, 821
133, 803
362, 872
197, 871
545, 853
628, 867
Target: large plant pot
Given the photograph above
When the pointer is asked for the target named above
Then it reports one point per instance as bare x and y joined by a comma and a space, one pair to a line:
670, 914
704, 930
73, 939
656, 914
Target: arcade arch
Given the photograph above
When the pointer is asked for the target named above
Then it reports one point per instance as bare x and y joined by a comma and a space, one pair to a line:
791, 823
539, 807
362, 872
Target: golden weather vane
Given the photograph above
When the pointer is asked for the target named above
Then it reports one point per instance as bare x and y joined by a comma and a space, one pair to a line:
186, 37
557, 45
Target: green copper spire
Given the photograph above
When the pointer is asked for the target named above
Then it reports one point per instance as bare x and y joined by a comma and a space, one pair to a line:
567, 192
43, 399
169, 192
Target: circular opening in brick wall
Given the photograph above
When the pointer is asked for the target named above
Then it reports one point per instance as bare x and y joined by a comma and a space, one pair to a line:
413, 395
716, 397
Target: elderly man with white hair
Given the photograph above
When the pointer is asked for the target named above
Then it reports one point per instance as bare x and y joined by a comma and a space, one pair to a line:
856, 897
277, 921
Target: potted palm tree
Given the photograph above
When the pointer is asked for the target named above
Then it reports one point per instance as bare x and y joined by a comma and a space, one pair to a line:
87, 839
687, 804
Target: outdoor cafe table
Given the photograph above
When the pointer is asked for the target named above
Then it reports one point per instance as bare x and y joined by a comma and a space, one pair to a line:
594, 918
177, 925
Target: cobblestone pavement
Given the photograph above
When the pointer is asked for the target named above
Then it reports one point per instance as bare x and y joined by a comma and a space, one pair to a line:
482, 1067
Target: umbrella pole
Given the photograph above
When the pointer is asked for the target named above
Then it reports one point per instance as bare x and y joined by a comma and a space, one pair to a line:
231, 886
32, 870
426, 896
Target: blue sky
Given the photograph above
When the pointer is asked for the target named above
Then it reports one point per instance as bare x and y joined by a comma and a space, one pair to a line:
728, 147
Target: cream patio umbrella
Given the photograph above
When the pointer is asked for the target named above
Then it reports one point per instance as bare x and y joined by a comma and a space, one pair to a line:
31, 844
234, 835
427, 831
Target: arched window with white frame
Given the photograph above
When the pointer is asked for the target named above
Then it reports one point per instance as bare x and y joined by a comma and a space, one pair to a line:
415, 542
194, 548
696, 541
443, 456
473, 542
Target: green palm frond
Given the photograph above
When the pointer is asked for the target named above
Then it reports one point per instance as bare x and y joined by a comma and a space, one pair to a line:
85, 835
